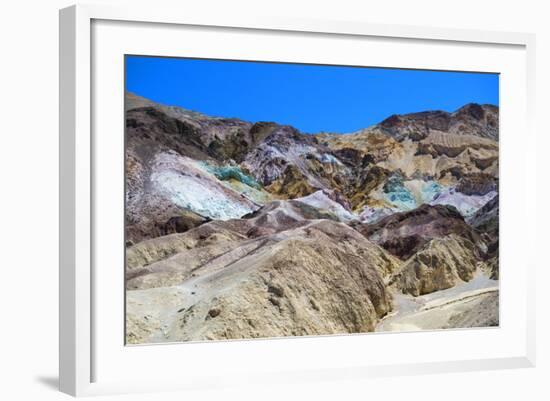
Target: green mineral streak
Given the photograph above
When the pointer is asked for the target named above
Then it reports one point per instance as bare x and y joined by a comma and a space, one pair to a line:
226, 173
398, 195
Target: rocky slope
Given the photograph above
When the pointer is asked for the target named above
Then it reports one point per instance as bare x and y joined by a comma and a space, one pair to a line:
442, 263
404, 234
431, 157
282, 271
239, 229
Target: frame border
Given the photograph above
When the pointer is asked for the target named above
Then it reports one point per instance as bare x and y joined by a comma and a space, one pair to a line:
75, 174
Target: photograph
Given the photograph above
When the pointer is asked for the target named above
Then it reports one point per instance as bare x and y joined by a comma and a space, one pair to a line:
278, 199
295, 200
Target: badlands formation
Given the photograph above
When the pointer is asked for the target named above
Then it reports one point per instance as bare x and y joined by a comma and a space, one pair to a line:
248, 230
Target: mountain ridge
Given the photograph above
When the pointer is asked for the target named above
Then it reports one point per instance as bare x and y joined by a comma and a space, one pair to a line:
133, 101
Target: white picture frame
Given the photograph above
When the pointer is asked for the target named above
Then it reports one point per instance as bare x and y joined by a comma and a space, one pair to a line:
79, 341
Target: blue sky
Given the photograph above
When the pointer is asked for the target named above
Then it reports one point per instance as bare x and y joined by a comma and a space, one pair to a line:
312, 98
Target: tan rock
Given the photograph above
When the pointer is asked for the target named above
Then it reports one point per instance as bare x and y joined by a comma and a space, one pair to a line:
440, 264
320, 278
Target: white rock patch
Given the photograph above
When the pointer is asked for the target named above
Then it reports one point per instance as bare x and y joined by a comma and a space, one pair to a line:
183, 181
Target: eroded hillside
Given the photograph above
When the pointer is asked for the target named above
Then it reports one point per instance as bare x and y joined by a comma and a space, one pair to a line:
243, 230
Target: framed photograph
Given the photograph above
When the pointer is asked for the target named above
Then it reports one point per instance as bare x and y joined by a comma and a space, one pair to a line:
269, 200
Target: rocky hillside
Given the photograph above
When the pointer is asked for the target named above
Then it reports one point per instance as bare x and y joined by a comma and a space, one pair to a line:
239, 229
284, 270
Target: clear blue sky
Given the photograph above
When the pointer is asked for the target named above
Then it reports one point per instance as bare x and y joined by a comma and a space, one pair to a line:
312, 98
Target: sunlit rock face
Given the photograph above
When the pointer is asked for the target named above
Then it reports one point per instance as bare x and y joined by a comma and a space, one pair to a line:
404, 233
239, 229
467, 205
442, 264
325, 201
432, 157
189, 186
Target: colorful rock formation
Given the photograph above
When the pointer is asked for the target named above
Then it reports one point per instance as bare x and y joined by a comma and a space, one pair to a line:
239, 229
